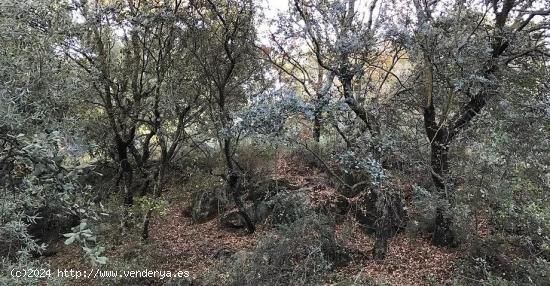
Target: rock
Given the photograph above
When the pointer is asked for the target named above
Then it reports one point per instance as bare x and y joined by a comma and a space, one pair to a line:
224, 253
206, 204
337, 206
262, 210
261, 195
289, 206
265, 190
232, 219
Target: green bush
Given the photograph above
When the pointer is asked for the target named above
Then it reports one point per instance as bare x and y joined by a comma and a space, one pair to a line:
38, 186
301, 253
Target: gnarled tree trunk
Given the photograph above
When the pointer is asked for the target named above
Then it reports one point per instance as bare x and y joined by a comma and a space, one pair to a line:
233, 186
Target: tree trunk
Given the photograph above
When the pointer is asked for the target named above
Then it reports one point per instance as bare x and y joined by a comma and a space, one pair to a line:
440, 138
126, 173
126, 176
443, 234
157, 188
355, 106
317, 126
233, 187
390, 214
439, 161
145, 226
383, 229
381, 244
440, 135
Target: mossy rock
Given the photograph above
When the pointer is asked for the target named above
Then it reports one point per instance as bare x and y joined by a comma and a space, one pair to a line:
206, 205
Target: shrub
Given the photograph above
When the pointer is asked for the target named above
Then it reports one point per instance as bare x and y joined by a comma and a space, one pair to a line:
300, 253
38, 186
497, 260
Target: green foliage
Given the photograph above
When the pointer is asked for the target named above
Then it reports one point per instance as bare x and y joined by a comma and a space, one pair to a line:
36, 184
491, 261
84, 235
143, 85
144, 204
39, 183
301, 253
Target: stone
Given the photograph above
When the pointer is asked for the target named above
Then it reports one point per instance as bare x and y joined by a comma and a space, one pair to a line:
205, 205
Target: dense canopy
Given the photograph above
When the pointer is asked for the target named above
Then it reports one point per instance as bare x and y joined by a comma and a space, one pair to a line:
323, 142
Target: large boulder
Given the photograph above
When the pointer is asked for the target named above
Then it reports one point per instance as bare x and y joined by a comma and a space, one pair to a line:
289, 206
265, 190
334, 205
205, 205
261, 195
233, 219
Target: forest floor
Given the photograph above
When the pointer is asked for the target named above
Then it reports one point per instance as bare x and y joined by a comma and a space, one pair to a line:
178, 244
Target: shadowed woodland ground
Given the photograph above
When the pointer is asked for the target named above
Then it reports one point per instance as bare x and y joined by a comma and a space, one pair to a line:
176, 243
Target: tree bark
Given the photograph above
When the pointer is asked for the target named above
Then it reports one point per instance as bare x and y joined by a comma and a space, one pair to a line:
439, 163
355, 107
157, 191
381, 244
439, 150
317, 126
390, 214
443, 234
125, 172
440, 137
233, 187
